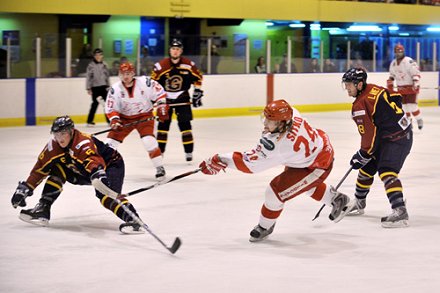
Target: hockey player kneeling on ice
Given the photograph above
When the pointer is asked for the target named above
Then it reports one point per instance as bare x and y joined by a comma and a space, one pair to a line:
306, 154
75, 157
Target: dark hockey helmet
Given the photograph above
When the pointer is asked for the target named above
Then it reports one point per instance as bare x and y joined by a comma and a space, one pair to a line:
176, 43
278, 110
62, 123
355, 75
97, 51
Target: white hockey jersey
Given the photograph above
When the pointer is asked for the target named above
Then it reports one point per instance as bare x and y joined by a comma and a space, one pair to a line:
405, 72
300, 147
123, 103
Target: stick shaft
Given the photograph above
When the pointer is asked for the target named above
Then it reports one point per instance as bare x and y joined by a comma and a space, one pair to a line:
161, 183
138, 220
336, 188
125, 125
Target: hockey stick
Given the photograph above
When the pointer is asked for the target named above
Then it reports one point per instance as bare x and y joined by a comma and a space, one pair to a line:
336, 188
160, 183
430, 88
173, 248
179, 104
125, 125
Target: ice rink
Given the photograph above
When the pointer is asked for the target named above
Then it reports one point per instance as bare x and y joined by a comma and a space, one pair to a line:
83, 251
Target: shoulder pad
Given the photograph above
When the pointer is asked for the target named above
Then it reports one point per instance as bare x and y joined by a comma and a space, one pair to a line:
157, 66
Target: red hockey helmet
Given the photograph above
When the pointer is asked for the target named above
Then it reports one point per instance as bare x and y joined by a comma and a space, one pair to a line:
278, 110
399, 48
126, 67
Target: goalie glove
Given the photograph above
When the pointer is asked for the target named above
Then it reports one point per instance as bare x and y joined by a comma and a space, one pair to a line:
100, 183
162, 112
23, 190
197, 98
212, 166
359, 159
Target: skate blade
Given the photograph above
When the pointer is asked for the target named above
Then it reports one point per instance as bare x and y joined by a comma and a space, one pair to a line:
161, 178
345, 211
253, 239
356, 213
129, 231
42, 222
397, 224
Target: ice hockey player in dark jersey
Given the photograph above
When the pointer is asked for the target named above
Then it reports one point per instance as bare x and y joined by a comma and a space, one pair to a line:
386, 140
75, 157
176, 74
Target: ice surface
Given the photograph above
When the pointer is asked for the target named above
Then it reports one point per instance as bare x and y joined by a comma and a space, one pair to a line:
83, 251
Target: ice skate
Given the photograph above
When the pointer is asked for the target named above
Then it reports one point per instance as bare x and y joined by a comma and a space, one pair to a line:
339, 203
39, 215
160, 173
188, 157
131, 228
358, 207
397, 219
259, 233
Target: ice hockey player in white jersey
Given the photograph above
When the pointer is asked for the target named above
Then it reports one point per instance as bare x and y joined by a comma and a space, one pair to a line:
131, 100
405, 72
305, 152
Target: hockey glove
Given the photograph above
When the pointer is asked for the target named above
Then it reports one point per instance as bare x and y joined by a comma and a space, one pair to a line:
390, 84
416, 85
115, 123
100, 183
197, 98
162, 112
23, 190
212, 166
359, 159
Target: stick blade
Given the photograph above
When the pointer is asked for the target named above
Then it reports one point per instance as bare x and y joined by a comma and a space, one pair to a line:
175, 246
